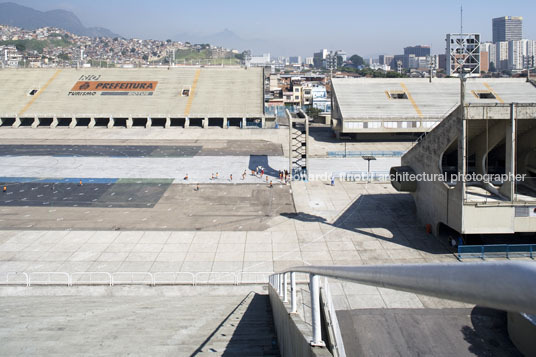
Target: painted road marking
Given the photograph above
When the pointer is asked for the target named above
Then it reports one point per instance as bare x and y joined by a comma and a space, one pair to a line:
41, 90
192, 93
415, 106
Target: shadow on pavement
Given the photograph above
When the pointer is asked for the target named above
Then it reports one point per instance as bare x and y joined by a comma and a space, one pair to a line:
252, 328
392, 215
262, 160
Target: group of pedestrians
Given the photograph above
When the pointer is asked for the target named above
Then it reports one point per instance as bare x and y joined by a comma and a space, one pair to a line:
259, 172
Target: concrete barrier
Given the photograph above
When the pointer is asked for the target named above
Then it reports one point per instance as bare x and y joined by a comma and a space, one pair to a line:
293, 334
522, 332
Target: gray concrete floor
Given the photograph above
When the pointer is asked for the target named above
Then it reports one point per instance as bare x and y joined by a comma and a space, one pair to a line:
221, 325
426, 332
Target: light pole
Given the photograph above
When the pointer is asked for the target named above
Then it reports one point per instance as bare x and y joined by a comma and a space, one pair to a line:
369, 159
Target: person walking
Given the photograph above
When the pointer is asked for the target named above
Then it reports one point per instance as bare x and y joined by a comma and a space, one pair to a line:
271, 185
244, 175
262, 171
231, 177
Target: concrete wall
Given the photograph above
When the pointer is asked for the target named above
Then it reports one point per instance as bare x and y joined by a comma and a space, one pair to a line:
293, 334
438, 203
431, 197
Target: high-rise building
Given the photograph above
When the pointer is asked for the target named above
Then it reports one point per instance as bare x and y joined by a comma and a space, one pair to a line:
463, 50
485, 56
507, 28
418, 51
385, 59
492, 58
320, 57
501, 55
520, 55
295, 60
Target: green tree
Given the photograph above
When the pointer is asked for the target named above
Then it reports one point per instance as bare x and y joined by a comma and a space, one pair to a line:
357, 60
313, 112
21, 47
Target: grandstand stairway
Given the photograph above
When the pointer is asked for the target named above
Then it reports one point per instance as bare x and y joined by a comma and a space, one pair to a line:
195, 323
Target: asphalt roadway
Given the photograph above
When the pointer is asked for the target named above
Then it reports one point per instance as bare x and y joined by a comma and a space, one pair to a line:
143, 206
185, 149
66, 193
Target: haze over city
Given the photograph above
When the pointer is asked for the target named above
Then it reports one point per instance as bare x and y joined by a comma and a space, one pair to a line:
297, 28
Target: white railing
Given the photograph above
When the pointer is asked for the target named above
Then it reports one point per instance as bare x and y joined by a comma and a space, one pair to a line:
135, 278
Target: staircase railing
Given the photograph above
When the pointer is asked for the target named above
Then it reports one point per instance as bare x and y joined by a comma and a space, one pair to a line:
509, 286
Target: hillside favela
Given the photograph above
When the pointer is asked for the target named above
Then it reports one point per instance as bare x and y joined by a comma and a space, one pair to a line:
267, 179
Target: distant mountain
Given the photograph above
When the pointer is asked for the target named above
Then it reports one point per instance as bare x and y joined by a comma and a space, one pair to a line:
227, 39
25, 17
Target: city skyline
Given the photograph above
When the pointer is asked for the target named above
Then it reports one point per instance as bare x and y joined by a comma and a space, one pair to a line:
366, 29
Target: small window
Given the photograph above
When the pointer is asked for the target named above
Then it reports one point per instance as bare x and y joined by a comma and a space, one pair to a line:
484, 95
33, 92
397, 95
296, 97
185, 92
296, 90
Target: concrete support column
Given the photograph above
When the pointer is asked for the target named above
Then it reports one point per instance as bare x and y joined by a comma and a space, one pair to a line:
91, 123
244, 121
205, 123
149, 123
1, 121
54, 122
129, 122
111, 123
35, 123
168, 123
186, 123
74, 121
16, 124
263, 122
226, 123
508, 187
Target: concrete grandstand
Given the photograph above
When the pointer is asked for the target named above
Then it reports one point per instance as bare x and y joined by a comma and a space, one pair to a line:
480, 169
178, 97
397, 106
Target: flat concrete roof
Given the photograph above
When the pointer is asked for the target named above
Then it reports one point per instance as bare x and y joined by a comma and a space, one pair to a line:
368, 98
154, 92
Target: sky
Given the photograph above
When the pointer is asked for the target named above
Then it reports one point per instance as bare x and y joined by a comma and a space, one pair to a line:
290, 28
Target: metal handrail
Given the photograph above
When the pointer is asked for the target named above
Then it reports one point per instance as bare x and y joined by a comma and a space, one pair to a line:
509, 286
108, 281
49, 275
